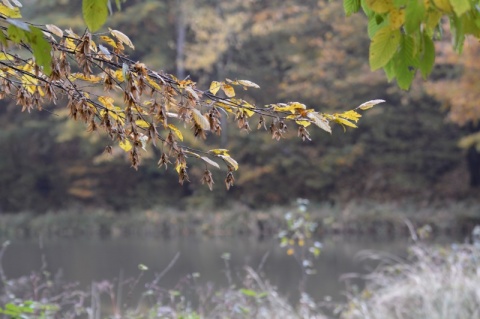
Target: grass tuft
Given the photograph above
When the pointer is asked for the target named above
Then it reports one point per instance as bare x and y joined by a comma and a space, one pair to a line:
435, 283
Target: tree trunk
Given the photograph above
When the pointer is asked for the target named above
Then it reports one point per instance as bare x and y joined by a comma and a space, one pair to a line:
180, 43
473, 159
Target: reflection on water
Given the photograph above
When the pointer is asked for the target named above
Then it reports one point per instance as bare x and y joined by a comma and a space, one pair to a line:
85, 260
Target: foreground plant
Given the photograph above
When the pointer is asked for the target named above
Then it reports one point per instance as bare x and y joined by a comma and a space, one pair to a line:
136, 106
298, 240
437, 282
40, 295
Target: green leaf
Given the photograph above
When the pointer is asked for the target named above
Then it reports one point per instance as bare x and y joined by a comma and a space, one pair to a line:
406, 63
414, 14
380, 6
460, 6
374, 24
248, 292
351, 6
41, 49
34, 37
427, 59
368, 12
119, 5
3, 38
471, 25
95, 13
383, 47
16, 34
458, 32
389, 69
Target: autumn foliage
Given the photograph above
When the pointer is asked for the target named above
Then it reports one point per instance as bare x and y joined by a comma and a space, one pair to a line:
137, 107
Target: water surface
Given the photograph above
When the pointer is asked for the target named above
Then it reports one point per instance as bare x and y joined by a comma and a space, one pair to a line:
92, 260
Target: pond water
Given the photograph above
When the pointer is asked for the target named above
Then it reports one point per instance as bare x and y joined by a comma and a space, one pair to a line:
88, 260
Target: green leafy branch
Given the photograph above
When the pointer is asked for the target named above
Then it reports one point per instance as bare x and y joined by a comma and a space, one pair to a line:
402, 32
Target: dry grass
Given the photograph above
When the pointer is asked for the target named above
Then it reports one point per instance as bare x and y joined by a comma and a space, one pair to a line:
436, 283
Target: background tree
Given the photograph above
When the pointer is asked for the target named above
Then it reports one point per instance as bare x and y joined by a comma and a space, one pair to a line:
456, 86
403, 150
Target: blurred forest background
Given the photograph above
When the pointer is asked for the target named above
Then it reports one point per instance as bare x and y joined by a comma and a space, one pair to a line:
413, 147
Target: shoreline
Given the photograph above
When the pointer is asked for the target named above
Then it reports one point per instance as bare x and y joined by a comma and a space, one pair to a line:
386, 220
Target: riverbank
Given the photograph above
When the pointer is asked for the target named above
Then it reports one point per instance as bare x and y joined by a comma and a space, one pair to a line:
352, 219
433, 282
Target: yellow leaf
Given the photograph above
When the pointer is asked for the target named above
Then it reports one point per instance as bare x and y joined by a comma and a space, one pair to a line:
27, 66
109, 41
118, 74
106, 101
13, 13
397, 18
380, 6
122, 38
29, 82
369, 104
70, 44
290, 251
230, 161
248, 112
40, 91
219, 151
248, 109
227, 107
125, 145
176, 131
303, 123
214, 87
291, 107
6, 56
55, 30
114, 116
200, 120
248, 84
350, 115
154, 84
184, 83
93, 46
142, 123
228, 89
179, 166
91, 78
443, 5
344, 122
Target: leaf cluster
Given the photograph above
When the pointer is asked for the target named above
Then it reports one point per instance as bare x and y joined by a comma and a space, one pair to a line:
402, 32
136, 106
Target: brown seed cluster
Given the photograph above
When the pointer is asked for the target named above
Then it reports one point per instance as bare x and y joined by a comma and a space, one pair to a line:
137, 106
